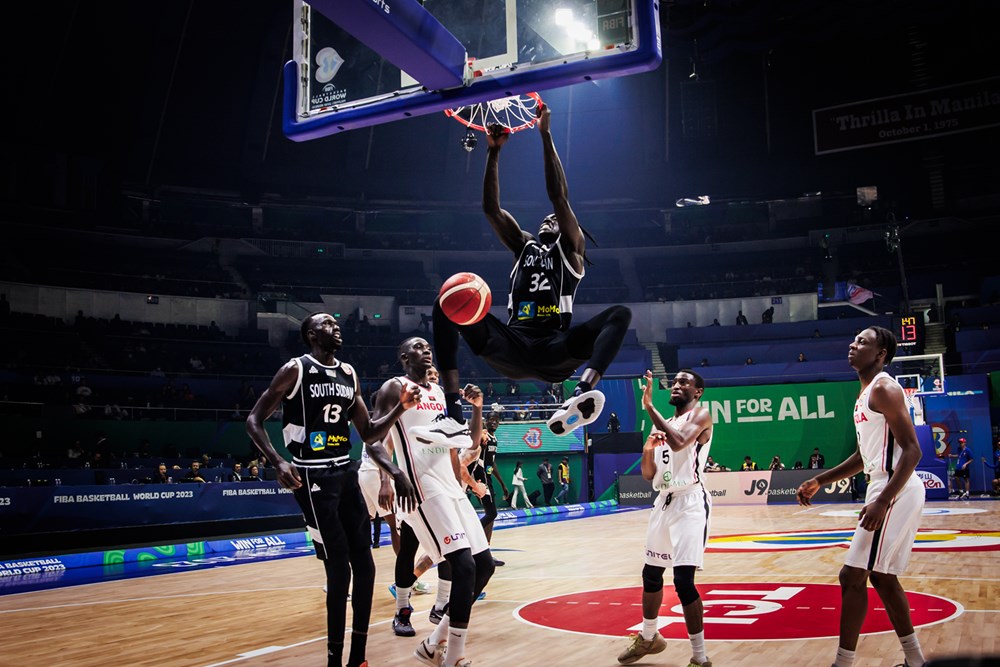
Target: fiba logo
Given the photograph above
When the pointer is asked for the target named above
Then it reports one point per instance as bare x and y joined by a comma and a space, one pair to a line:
533, 438
328, 63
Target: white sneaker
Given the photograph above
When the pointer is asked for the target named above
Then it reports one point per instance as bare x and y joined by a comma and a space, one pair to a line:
462, 662
443, 431
420, 588
576, 412
430, 656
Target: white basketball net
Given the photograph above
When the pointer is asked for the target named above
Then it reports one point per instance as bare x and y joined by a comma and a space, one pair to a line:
515, 113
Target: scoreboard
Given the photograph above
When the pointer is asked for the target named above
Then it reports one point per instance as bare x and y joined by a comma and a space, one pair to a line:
909, 330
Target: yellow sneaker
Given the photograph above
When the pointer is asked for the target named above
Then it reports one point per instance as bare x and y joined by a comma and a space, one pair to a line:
639, 647
693, 663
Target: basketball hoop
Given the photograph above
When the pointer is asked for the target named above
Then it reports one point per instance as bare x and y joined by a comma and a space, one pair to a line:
914, 398
515, 113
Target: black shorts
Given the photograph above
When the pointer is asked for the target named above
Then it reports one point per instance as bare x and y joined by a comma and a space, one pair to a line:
522, 353
963, 473
334, 508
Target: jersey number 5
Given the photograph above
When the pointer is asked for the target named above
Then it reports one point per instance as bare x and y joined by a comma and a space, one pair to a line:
331, 413
665, 456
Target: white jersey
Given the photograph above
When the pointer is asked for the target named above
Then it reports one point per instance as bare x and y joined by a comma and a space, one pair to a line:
878, 448
366, 461
427, 467
681, 471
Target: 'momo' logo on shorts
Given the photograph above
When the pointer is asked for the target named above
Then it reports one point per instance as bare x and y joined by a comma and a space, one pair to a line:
448, 539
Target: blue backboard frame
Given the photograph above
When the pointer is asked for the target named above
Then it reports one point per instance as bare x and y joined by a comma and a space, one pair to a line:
643, 55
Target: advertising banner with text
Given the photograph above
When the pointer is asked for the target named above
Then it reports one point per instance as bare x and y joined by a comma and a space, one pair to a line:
25, 510
787, 420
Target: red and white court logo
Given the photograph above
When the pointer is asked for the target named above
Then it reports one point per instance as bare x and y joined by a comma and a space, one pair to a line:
926, 539
733, 612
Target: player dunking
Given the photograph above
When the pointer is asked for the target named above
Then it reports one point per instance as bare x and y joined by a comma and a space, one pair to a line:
321, 399
888, 452
444, 522
672, 459
537, 341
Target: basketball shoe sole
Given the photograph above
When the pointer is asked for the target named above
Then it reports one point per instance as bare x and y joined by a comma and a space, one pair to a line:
576, 412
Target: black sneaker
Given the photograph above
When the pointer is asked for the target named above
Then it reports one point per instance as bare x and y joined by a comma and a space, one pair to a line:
437, 614
498, 562
401, 623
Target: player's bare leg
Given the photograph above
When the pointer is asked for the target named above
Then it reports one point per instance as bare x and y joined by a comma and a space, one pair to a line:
853, 608
897, 608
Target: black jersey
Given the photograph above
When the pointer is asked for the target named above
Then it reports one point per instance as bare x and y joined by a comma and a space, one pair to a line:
315, 420
482, 467
542, 287
488, 455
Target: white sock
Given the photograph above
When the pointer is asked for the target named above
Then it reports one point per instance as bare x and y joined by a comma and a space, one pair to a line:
456, 644
402, 597
698, 646
648, 628
911, 649
443, 594
440, 633
845, 658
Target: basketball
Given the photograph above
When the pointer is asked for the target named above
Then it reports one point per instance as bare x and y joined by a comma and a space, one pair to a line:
465, 298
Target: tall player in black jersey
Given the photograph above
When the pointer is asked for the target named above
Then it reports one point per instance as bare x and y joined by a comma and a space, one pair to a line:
321, 398
537, 341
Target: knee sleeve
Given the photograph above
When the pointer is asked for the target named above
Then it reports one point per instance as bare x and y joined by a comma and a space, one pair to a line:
463, 582
652, 579
684, 584
485, 567
405, 558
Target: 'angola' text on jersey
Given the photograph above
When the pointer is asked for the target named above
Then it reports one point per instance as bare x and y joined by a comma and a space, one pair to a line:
542, 287
879, 450
316, 413
427, 466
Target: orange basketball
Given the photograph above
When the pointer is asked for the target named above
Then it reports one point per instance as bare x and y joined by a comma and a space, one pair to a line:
465, 298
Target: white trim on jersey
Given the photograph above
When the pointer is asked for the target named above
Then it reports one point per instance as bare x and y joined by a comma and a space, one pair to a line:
335, 461
298, 380
566, 304
293, 433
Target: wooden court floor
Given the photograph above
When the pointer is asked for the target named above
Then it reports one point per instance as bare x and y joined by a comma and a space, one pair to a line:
272, 613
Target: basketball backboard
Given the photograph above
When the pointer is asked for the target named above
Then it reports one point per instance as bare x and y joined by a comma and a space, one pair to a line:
362, 62
920, 373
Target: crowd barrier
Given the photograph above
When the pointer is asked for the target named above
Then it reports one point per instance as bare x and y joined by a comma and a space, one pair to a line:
759, 487
49, 509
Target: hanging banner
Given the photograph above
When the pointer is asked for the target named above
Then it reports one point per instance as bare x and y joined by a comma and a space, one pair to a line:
937, 112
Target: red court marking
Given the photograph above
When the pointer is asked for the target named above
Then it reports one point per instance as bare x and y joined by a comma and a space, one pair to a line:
733, 612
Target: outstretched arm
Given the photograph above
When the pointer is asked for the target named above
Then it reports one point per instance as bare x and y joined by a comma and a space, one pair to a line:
268, 402
572, 241
503, 223
371, 430
675, 437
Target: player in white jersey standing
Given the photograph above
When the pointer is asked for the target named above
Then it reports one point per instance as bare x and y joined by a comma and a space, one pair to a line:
673, 459
444, 522
888, 452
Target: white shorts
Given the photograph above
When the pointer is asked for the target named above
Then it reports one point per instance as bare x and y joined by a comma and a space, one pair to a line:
370, 483
678, 529
887, 550
443, 525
